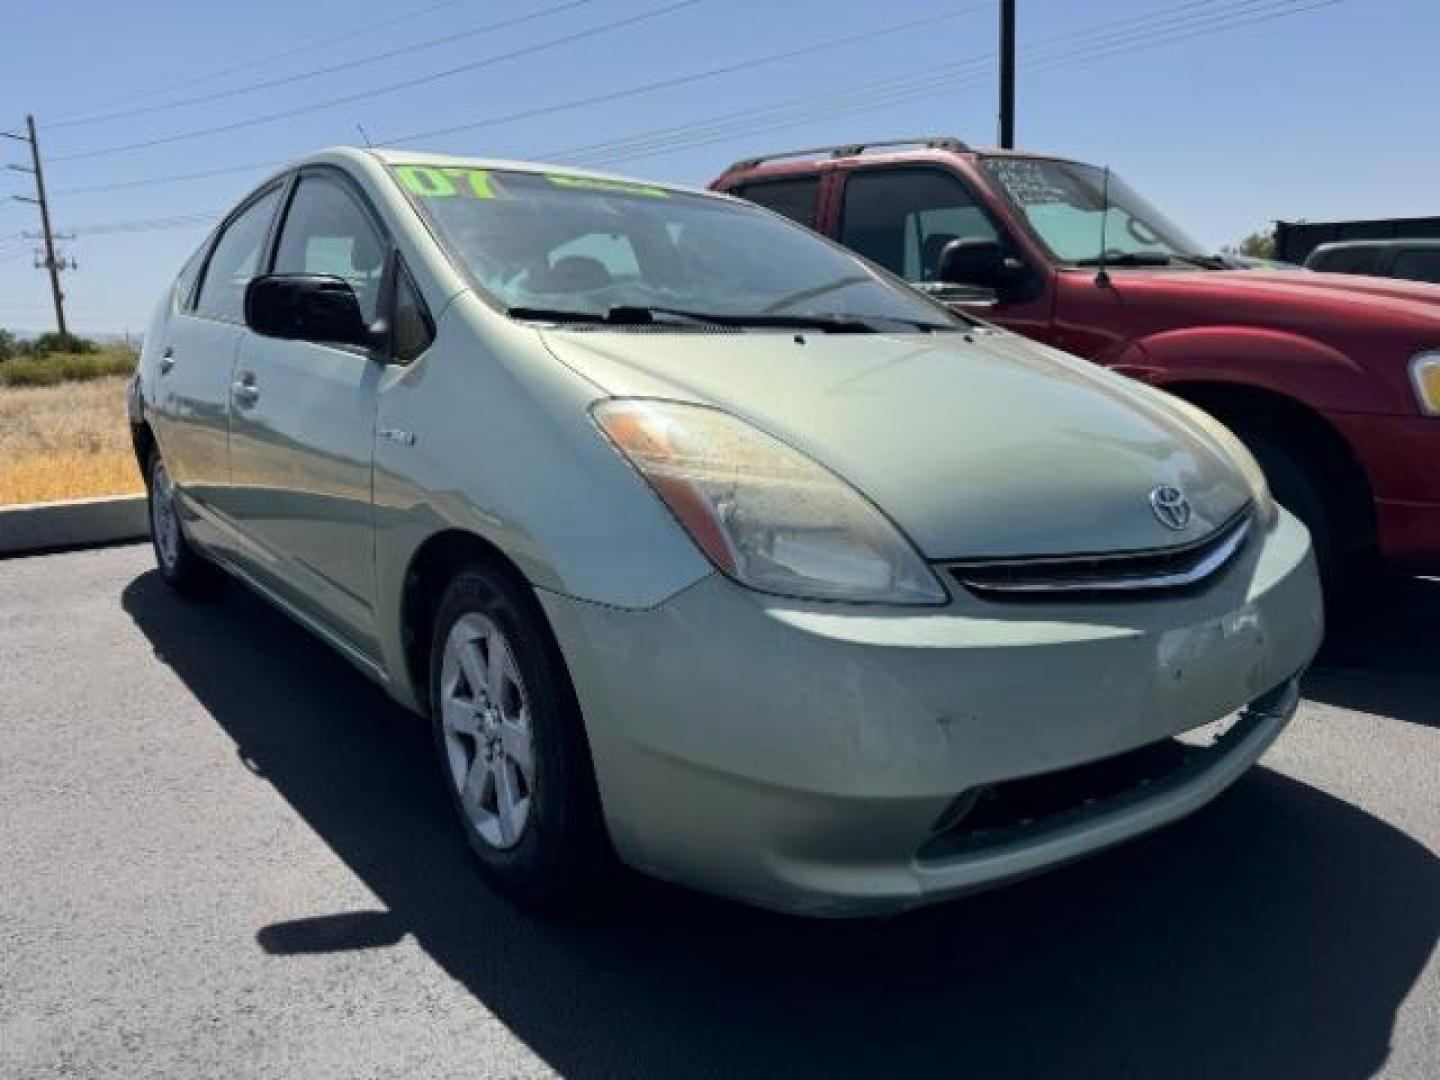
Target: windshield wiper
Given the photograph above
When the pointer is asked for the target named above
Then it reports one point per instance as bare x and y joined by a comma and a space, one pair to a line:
560, 315
615, 316
833, 324
1129, 258
637, 315
1155, 258
1205, 262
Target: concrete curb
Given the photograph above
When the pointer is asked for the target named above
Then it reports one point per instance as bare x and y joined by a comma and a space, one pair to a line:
75, 523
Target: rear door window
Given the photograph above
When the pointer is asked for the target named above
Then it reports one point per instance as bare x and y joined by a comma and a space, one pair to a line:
903, 218
798, 198
235, 260
1349, 260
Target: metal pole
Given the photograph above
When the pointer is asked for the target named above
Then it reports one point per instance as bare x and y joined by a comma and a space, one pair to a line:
51, 263
1007, 74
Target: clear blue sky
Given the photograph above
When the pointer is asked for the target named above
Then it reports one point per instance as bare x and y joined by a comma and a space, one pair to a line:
1322, 113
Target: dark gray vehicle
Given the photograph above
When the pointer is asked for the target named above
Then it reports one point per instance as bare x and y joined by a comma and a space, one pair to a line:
1413, 260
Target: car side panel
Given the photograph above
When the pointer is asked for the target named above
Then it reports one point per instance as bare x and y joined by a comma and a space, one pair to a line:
187, 394
300, 453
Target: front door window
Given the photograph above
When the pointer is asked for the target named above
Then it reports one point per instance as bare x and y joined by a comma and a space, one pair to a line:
903, 218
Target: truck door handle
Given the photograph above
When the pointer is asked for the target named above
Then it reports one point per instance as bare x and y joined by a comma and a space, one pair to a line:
244, 390
167, 360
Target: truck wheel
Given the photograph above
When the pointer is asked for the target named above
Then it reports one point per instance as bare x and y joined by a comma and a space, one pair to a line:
511, 742
184, 569
1299, 490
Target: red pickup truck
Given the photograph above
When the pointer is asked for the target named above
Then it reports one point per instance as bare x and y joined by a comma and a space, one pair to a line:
1332, 380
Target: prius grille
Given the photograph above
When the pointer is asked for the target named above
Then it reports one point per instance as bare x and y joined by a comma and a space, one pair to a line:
1187, 566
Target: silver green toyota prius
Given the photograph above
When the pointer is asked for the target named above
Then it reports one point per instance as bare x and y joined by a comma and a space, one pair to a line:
707, 546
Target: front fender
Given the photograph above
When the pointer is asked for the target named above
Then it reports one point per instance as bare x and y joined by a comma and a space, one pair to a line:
1277, 361
488, 434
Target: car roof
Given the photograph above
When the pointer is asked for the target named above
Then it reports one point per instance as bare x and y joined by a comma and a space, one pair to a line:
803, 162
357, 155
1388, 242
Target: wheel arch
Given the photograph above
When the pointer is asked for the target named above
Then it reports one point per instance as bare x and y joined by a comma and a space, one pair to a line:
1295, 424
430, 569
143, 440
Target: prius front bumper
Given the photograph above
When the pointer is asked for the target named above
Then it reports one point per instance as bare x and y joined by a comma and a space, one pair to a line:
812, 757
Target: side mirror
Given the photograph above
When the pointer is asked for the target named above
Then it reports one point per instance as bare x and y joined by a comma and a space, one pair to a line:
306, 307
975, 261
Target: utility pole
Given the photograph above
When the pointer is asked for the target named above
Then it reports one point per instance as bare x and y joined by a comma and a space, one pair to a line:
51, 263
1007, 74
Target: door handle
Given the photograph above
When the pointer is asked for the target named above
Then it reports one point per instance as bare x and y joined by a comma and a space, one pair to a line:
167, 360
244, 390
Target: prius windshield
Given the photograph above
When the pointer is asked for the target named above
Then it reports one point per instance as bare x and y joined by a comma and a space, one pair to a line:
1072, 209
573, 249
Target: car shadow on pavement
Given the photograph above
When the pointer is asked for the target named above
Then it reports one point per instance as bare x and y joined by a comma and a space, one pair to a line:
1273, 934
1383, 658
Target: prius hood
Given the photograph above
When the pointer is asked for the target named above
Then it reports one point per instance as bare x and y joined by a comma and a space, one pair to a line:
976, 445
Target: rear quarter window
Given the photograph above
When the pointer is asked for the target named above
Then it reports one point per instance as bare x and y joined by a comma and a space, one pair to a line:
184, 289
1358, 260
1417, 264
798, 198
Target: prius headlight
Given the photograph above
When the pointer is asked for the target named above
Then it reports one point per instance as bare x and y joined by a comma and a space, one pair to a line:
765, 514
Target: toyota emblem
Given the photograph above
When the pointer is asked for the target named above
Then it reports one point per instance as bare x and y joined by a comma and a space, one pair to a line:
1171, 506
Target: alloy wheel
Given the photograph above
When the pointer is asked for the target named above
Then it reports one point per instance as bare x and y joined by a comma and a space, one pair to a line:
485, 716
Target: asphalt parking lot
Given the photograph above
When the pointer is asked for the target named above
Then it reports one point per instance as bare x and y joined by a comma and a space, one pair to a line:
225, 854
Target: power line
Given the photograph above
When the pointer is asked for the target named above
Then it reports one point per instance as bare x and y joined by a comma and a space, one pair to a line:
147, 181
1160, 28
286, 80
405, 84
862, 98
739, 120
574, 103
1148, 38
327, 42
682, 80
108, 228
876, 96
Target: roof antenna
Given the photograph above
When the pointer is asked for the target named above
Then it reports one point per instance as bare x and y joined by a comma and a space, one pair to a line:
368, 144
1102, 277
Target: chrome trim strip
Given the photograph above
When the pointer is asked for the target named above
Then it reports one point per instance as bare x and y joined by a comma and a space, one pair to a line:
1192, 575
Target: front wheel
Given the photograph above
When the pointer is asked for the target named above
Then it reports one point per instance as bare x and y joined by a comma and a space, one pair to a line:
1294, 488
182, 567
511, 742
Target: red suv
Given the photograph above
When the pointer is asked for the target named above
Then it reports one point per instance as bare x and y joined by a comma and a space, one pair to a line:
1332, 380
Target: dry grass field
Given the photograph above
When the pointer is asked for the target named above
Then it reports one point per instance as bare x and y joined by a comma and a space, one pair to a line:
68, 441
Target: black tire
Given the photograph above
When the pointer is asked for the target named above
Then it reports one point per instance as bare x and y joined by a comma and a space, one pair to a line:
563, 851
1295, 489
183, 568
1347, 569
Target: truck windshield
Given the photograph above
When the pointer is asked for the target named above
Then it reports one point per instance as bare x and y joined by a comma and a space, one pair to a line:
576, 249
1064, 204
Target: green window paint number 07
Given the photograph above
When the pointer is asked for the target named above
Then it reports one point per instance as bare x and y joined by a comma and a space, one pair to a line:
435, 182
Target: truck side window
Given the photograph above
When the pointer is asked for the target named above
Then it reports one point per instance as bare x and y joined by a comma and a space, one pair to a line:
797, 198
903, 218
